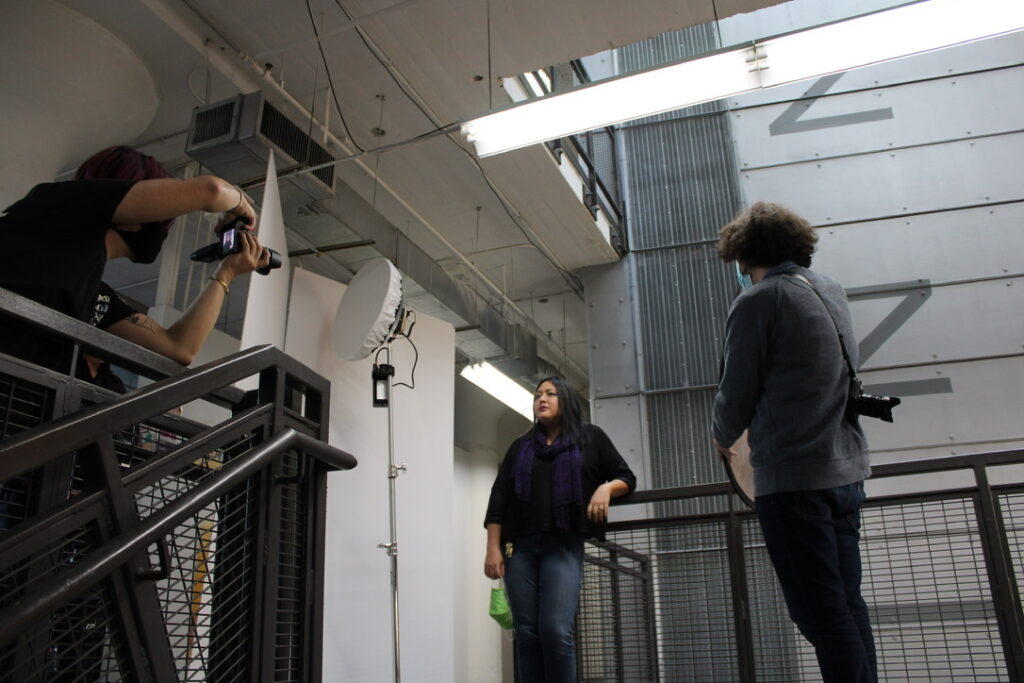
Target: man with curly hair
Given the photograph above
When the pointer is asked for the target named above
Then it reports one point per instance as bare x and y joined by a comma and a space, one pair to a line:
785, 381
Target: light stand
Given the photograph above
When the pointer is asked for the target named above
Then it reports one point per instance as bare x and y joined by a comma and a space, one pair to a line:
369, 318
381, 377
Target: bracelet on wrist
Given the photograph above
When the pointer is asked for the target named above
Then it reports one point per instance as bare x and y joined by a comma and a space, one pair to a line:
221, 283
239, 191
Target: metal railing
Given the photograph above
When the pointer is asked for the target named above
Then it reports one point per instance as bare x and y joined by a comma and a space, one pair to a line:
686, 592
137, 545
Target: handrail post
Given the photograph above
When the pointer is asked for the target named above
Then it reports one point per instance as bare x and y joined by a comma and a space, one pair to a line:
740, 596
1005, 595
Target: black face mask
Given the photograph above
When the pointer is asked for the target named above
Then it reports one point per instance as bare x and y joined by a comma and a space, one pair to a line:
145, 243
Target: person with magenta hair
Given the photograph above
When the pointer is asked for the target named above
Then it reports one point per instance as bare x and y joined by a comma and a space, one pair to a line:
552, 491
57, 239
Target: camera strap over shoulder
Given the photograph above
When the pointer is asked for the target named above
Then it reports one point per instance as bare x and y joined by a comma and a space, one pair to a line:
842, 344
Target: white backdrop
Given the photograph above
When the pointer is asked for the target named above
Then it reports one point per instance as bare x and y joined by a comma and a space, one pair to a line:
357, 625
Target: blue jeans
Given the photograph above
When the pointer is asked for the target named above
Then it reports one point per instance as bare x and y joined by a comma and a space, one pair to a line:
542, 578
812, 538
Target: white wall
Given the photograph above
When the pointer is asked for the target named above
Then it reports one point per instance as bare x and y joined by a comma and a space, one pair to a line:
55, 106
357, 624
483, 431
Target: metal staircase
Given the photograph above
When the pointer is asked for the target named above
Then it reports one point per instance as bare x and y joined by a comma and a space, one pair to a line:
137, 545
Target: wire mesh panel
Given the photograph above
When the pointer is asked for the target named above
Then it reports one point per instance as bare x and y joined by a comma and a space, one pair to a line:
22, 405
1012, 507
927, 585
291, 569
926, 580
676, 625
80, 640
208, 594
778, 648
617, 630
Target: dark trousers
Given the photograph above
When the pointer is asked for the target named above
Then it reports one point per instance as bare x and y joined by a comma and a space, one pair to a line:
812, 538
542, 578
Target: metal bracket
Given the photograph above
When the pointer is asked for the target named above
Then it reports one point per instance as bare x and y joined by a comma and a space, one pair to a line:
390, 548
162, 570
393, 470
756, 58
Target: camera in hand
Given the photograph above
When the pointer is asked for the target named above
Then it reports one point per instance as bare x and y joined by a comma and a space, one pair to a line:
868, 405
231, 243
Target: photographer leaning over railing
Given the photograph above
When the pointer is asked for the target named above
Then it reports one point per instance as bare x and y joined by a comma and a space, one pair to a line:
57, 239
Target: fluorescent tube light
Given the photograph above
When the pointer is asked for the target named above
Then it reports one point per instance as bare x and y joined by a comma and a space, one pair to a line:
883, 36
873, 38
614, 101
501, 387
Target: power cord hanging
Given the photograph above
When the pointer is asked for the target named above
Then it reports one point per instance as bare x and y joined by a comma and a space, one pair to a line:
330, 81
416, 353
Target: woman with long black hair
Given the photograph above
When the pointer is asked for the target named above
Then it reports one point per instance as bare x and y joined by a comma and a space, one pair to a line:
552, 491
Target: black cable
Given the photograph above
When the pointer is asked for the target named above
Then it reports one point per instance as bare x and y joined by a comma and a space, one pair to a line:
415, 359
330, 81
571, 279
362, 37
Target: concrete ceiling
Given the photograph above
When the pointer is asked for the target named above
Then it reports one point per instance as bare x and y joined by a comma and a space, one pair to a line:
391, 70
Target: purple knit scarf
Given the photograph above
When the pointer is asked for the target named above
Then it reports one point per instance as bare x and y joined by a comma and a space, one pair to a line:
566, 473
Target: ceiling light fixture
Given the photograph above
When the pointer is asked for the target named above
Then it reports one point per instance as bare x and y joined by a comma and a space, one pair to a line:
869, 39
500, 386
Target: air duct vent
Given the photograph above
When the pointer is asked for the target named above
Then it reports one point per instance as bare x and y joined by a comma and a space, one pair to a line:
233, 138
215, 123
277, 128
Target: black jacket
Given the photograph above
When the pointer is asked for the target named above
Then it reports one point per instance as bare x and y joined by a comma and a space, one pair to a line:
601, 463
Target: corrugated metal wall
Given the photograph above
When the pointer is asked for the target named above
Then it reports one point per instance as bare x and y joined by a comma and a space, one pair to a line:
681, 187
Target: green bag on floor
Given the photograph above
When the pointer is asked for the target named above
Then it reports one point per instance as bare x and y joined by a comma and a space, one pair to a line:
499, 609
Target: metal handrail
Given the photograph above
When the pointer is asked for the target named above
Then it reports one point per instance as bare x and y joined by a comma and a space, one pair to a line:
894, 469
32, 448
52, 592
101, 344
990, 517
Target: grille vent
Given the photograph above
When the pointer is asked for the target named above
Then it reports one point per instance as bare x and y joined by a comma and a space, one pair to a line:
277, 128
215, 122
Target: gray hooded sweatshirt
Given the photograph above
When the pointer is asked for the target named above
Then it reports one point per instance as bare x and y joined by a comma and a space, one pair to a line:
784, 377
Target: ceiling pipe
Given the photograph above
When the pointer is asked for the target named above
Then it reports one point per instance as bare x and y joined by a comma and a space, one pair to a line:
247, 74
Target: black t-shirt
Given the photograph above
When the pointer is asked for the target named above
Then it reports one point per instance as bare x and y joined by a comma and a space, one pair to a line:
53, 250
601, 463
108, 308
